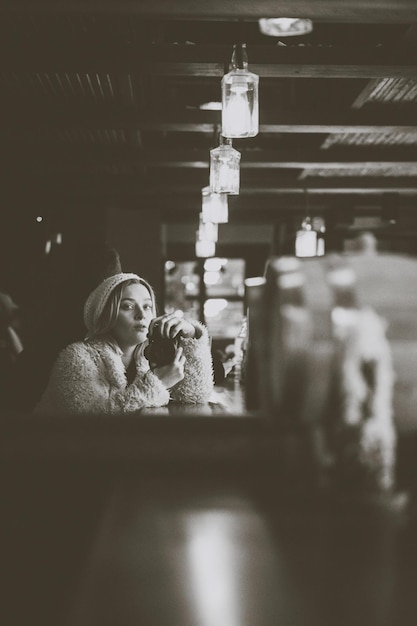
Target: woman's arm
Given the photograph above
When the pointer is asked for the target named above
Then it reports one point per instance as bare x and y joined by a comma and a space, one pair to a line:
193, 360
84, 381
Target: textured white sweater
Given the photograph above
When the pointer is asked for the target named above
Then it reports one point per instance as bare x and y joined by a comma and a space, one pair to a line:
89, 377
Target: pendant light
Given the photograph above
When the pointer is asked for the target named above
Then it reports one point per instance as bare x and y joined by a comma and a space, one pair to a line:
224, 168
309, 239
206, 237
208, 231
306, 240
205, 249
214, 206
240, 102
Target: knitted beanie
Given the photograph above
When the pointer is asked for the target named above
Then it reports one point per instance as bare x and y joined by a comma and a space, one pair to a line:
97, 299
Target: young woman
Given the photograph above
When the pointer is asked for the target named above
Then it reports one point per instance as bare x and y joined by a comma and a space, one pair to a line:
108, 371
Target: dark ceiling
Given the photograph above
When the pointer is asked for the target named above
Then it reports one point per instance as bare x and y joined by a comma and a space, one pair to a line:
101, 105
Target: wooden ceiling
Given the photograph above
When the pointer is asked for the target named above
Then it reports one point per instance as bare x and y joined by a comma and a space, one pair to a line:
101, 105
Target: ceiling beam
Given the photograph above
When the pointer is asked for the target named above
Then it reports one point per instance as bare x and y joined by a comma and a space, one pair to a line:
103, 185
379, 11
272, 204
289, 70
281, 159
192, 159
39, 156
377, 120
291, 61
205, 61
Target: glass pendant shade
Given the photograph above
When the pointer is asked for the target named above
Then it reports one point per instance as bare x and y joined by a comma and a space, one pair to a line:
214, 206
204, 249
240, 100
306, 240
208, 231
224, 168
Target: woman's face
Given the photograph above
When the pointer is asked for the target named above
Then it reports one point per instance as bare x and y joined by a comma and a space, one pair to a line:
134, 316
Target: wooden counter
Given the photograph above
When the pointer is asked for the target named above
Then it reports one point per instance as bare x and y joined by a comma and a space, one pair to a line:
185, 521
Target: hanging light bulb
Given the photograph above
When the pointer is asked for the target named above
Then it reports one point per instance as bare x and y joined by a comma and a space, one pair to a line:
240, 103
214, 206
306, 239
224, 168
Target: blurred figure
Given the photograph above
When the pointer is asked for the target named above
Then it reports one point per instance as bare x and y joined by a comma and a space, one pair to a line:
10, 343
54, 316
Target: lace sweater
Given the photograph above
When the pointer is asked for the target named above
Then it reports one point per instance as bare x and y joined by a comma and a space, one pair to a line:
89, 377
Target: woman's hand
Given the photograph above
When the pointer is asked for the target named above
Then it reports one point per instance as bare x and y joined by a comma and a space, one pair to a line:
173, 373
171, 326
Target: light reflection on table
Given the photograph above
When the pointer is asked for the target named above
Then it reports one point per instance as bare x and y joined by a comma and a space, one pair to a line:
192, 561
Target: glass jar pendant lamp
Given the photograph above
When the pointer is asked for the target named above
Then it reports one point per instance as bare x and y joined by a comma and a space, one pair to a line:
224, 168
240, 101
207, 231
214, 206
206, 237
306, 240
204, 248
